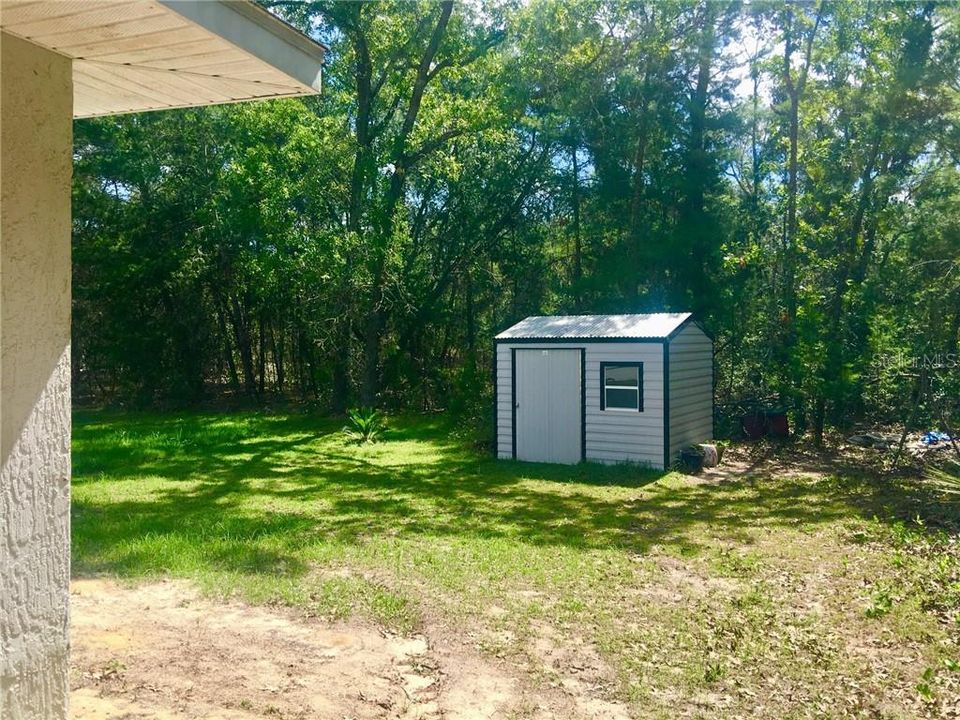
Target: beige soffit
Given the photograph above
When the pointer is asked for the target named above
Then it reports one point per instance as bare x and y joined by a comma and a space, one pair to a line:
134, 55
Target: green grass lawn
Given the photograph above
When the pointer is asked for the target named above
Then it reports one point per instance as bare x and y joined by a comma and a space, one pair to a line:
760, 597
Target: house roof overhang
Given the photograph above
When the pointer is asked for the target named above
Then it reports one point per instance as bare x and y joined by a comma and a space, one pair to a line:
135, 55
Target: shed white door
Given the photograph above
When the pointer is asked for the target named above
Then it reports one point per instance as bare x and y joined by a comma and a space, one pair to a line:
548, 406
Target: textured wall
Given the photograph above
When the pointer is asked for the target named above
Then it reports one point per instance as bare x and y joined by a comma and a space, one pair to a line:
35, 147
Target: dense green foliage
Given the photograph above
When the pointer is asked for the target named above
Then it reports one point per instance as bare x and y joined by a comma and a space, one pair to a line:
788, 171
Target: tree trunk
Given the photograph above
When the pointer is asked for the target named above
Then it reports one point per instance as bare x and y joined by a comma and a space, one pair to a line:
471, 322
636, 249
791, 393
790, 228
577, 238
371, 358
241, 331
341, 367
696, 223
227, 350
383, 234
847, 268
363, 169
277, 351
953, 340
788, 331
261, 356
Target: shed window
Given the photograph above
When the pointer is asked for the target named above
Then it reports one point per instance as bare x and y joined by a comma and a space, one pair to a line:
622, 385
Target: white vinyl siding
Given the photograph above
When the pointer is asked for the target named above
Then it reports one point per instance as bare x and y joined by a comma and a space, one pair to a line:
611, 435
504, 402
615, 435
691, 388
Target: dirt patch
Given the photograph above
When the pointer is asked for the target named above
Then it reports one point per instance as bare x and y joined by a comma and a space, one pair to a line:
160, 651
583, 682
792, 460
679, 581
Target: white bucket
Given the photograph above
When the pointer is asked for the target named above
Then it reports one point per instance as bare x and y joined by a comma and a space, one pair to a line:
711, 458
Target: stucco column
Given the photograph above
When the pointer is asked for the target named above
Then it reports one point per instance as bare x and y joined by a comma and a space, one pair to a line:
36, 103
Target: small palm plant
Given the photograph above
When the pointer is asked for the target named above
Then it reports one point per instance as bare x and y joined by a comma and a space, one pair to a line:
366, 425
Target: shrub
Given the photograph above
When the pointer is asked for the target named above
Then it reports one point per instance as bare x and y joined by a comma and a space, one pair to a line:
366, 425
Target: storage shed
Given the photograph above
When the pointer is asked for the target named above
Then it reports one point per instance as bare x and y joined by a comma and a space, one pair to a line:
610, 388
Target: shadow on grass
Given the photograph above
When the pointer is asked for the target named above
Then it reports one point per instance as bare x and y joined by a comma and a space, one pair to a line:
246, 493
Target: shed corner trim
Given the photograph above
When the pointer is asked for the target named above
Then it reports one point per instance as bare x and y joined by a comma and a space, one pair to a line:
583, 404
666, 404
513, 403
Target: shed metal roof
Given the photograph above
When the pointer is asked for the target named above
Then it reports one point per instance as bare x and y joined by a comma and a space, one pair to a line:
583, 327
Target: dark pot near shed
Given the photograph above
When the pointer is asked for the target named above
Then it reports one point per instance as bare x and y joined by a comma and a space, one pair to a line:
691, 461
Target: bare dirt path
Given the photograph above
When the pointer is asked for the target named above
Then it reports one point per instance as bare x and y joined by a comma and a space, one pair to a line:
160, 651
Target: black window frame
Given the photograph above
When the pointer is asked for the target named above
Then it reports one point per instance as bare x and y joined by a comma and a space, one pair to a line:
603, 387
